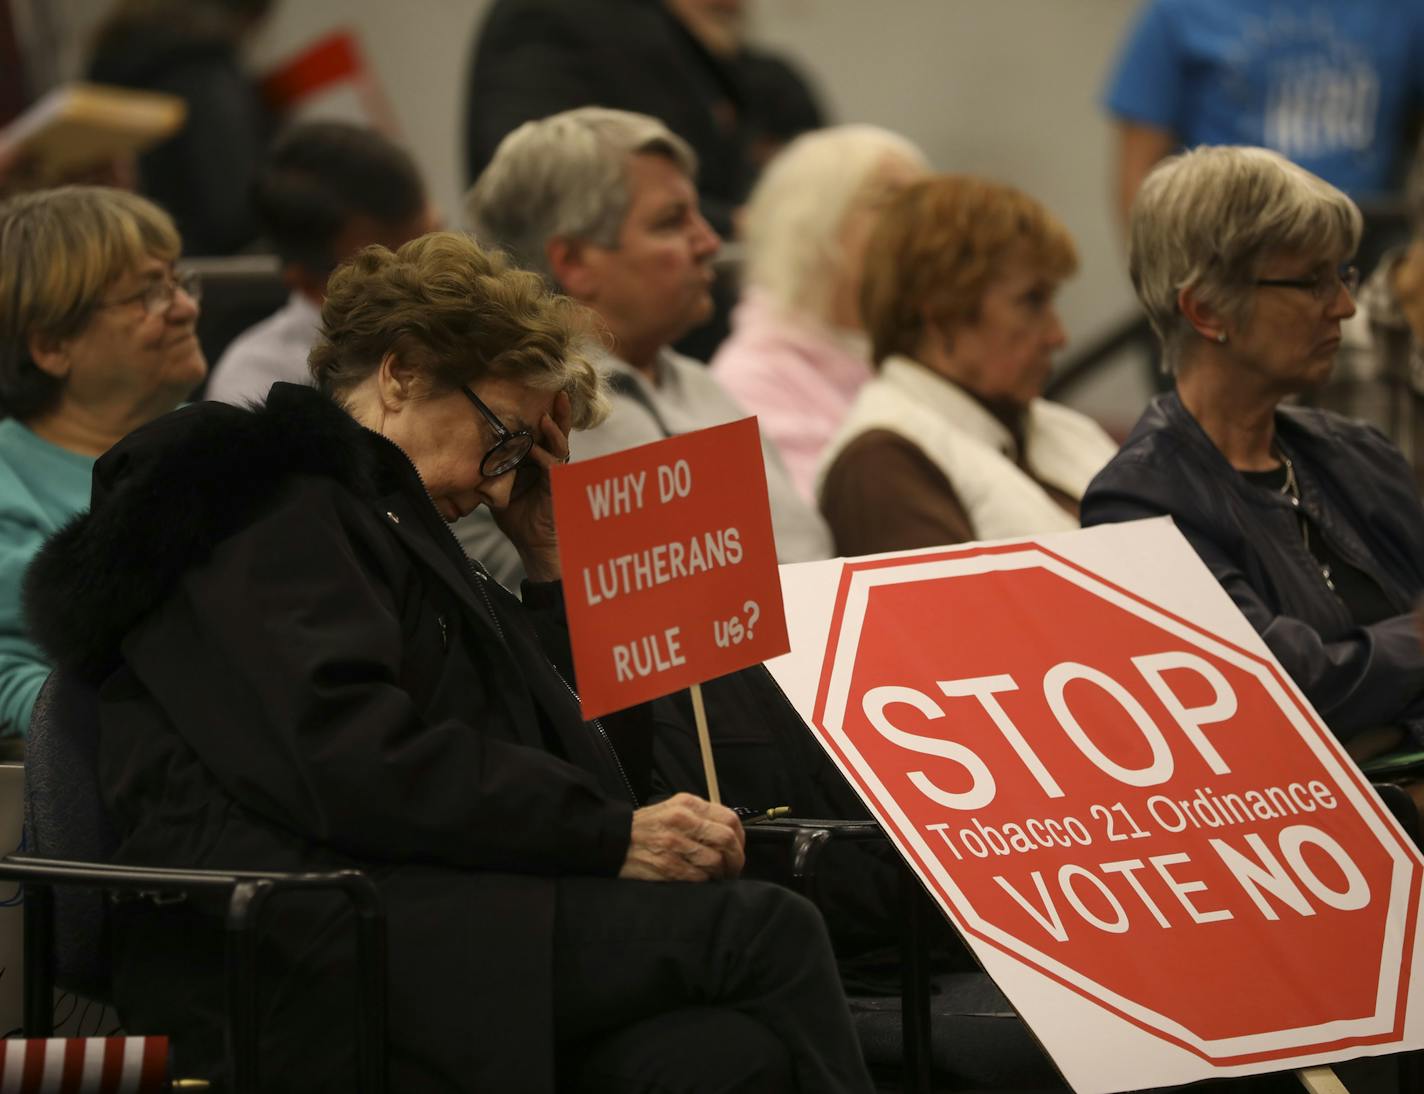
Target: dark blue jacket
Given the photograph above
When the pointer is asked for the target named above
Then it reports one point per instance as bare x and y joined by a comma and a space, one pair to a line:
1359, 494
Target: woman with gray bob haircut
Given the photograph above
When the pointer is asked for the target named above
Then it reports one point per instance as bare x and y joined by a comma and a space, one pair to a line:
1205, 221
1310, 521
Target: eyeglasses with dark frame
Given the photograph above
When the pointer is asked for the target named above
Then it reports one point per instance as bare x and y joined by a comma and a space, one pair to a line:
511, 448
1322, 286
158, 296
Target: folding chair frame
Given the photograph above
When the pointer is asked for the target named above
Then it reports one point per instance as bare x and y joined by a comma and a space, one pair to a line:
248, 895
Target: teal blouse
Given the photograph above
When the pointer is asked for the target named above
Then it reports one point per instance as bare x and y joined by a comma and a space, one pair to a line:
41, 487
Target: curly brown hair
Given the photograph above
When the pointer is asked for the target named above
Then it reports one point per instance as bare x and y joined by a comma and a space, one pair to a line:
458, 314
937, 246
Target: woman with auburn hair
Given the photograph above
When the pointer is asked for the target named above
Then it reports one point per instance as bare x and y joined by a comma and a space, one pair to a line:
951, 440
97, 337
1310, 521
299, 669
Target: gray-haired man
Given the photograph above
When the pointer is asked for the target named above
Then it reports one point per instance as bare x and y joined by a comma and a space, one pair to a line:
602, 203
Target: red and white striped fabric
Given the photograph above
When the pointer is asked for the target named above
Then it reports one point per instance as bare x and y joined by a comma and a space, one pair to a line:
84, 1065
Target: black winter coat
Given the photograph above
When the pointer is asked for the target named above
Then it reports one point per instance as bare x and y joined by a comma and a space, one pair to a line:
1357, 492
300, 669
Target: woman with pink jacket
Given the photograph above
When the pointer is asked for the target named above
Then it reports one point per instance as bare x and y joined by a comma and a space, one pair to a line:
798, 354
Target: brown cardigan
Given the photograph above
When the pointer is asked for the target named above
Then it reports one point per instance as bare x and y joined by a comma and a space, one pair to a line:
883, 493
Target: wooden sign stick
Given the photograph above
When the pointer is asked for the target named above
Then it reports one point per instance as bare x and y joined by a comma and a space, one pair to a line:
714, 795
1320, 1080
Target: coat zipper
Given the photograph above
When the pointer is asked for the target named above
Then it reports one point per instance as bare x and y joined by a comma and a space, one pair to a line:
1302, 514
598, 725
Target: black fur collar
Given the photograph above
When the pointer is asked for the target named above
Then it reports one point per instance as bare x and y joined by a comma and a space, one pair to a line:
167, 494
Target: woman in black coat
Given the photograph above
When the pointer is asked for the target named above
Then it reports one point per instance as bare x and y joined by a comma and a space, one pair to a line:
300, 669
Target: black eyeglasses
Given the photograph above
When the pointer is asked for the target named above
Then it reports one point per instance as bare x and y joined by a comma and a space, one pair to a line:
509, 450
1322, 286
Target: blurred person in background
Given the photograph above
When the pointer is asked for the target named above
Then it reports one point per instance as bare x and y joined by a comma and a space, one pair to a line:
1379, 373
1311, 522
777, 101
97, 337
14, 88
193, 49
603, 204
798, 352
685, 62
326, 190
951, 440
1334, 85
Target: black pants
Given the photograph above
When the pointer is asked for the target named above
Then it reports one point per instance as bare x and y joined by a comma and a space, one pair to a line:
656, 989
663, 987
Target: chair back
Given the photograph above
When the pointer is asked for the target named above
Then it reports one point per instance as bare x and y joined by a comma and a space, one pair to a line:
238, 291
65, 819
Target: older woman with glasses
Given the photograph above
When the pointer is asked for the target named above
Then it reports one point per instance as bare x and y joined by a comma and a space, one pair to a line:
299, 669
96, 338
1310, 521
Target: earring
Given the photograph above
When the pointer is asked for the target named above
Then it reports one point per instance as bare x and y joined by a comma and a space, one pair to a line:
1221, 337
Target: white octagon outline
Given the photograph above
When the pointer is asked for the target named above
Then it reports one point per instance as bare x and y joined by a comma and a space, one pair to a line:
1301, 1039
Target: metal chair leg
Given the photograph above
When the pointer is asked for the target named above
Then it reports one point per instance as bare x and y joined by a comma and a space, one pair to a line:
248, 896
38, 917
806, 848
914, 985
249, 900
370, 957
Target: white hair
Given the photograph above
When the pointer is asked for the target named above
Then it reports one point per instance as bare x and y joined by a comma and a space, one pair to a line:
793, 219
1205, 219
565, 177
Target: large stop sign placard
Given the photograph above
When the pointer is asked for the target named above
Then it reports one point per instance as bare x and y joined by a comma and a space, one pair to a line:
1141, 819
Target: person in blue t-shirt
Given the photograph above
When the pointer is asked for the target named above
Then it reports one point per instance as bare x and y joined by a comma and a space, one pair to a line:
1330, 84
96, 339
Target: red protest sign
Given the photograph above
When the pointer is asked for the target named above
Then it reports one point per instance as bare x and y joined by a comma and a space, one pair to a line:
1142, 813
669, 565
